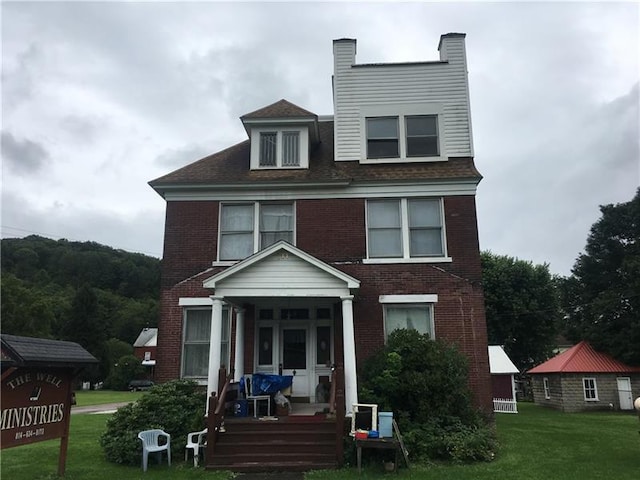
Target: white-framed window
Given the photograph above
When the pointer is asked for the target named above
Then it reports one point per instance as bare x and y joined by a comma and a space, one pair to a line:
147, 356
409, 316
405, 228
590, 389
196, 336
246, 228
410, 312
547, 390
409, 133
279, 147
422, 136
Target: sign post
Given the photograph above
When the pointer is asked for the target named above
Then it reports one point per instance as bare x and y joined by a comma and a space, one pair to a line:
37, 387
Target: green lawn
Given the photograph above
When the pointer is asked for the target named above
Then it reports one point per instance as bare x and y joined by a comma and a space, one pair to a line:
85, 398
536, 444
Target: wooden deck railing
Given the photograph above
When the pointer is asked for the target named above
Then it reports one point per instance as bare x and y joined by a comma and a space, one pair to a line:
215, 418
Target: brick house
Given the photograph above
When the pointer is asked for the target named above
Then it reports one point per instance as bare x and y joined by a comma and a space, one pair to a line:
581, 379
307, 243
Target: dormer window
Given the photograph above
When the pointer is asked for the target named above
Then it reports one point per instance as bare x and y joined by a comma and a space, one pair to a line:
422, 135
273, 148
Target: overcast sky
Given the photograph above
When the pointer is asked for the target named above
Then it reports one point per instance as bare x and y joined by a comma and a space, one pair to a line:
100, 98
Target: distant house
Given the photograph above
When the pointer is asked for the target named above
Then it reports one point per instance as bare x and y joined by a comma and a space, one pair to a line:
503, 383
145, 348
583, 379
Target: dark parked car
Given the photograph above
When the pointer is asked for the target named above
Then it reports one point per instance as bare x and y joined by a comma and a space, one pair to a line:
135, 385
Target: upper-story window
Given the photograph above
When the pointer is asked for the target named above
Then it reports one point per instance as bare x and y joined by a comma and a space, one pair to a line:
419, 136
405, 228
279, 147
246, 228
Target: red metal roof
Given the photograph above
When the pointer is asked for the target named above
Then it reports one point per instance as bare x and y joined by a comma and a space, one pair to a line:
582, 358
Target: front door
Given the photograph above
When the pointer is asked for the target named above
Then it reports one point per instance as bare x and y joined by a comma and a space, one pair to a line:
624, 393
294, 358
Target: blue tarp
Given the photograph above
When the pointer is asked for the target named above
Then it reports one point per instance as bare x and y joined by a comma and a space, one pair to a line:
264, 384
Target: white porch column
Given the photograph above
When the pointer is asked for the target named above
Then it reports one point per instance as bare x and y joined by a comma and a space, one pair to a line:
239, 358
349, 341
214, 346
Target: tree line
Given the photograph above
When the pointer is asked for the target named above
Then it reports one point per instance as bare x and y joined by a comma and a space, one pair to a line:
84, 292
102, 298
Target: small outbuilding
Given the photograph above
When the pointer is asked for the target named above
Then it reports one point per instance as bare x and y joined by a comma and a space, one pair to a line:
582, 379
145, 348
503, 383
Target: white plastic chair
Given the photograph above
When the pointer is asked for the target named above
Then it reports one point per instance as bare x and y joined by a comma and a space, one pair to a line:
195, 442
248, 388
150, 444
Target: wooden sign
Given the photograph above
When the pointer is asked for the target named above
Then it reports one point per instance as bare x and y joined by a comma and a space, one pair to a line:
35, 405
36, 388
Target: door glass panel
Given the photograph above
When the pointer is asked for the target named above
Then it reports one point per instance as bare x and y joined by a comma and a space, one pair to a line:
265, 346
323, 348
294, 351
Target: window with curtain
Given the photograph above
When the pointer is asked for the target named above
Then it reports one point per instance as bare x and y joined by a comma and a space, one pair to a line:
276, 223
241, 235
425, 227
197, 332
236, 232
405, 228
416, 317
385, 228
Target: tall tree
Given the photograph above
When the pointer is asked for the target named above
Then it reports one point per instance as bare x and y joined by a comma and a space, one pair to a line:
602, 296
522, 308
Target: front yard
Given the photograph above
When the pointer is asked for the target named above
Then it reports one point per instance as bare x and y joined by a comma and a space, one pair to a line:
536, 444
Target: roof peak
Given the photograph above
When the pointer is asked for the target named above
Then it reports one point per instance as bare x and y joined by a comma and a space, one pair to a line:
281, 109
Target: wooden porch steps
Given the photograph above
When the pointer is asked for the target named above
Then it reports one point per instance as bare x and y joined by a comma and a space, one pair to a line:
287, 444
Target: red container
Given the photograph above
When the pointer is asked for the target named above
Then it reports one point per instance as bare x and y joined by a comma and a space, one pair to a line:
362, 435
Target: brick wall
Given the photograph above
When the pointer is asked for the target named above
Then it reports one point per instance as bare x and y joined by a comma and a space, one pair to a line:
333, 230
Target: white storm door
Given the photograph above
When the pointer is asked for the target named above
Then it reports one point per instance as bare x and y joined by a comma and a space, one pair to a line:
295, 358
624, 393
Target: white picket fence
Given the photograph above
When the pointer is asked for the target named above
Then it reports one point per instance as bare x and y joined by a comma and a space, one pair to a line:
504, 405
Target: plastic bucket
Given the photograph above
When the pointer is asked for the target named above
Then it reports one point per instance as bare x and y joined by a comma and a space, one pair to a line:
385, 427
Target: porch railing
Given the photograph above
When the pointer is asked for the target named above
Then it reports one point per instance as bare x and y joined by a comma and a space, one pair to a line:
215, 419
337, 407
504, 405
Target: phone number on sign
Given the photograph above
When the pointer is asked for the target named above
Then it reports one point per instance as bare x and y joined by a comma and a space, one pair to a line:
29, 433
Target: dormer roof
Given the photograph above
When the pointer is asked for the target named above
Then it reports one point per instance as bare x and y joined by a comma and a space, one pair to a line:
280, 109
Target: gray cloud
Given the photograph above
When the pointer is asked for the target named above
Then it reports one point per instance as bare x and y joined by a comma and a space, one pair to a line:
172, 159
23, 156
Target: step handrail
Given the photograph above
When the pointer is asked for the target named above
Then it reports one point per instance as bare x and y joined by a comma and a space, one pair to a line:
217, 405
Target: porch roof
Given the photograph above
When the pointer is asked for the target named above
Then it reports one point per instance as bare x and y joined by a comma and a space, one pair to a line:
282, 270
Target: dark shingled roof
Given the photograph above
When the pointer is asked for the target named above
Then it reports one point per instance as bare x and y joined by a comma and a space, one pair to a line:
280, 109
28, 351
231, 167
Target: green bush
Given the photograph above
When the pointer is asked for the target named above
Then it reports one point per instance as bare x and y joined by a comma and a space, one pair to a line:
129, 367
177, 407
425, 384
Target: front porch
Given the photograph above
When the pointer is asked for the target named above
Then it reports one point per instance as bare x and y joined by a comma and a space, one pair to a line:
309, 437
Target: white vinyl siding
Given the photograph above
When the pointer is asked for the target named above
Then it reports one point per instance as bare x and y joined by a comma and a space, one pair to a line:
443, 83
249, 227
405, 228
195, 346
